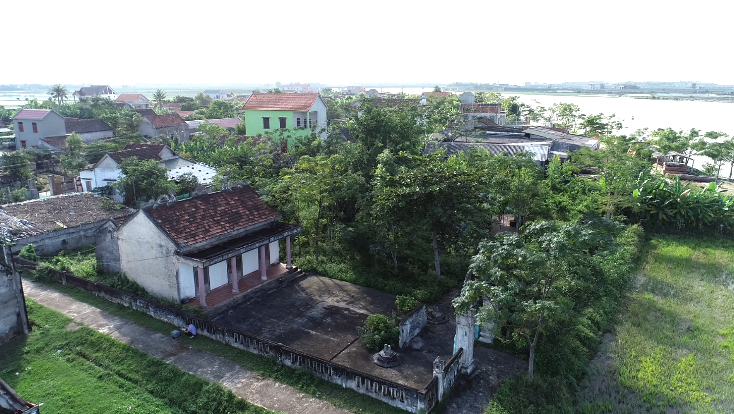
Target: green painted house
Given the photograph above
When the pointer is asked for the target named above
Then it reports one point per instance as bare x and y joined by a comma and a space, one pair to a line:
300, 113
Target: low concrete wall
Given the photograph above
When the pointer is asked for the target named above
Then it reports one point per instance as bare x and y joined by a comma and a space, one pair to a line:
411, 325
10, 309
406, 398
50, 243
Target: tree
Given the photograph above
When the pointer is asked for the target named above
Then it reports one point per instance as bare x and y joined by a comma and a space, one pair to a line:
565, 115
437, 89
128, 122
593, 125
142, 180
686, 143
531, 281
446, 197
221, 109
72, 161
202, 100
719, 153
58, 92
16, 164
186, 183
274, 90
159, 97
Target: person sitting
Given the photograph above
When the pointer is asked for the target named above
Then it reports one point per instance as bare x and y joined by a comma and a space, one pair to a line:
190, 331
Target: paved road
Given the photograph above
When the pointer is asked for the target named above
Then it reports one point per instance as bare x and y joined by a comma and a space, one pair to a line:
243, 383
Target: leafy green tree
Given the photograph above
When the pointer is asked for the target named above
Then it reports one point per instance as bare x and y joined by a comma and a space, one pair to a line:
437, 89
58, 93
72, 161
274, 90
16, 164
186, 183
686, 143
719, 152
221, 109
189, 106
565, 115
128, 122
531, 281
6, 114
96, 150
202, 100
320, 187
444, 114
447, 197
159, 97
142, 180
593, 125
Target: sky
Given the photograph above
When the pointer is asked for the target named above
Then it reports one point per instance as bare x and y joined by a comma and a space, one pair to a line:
378, 41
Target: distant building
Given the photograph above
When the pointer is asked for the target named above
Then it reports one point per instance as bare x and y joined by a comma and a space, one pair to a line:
101, 91
33, 124
299, 112
134, 100
89, 130
467, 98
168, 125
216, 94
298, 87
595, 86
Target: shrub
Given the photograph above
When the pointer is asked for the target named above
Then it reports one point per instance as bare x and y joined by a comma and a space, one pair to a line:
379, 330
29, 253
406, 303
19, 195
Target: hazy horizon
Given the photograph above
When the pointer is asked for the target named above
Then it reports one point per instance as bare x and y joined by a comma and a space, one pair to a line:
409, 42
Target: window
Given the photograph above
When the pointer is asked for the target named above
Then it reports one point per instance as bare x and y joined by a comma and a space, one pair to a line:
281, 119
309, 123
298, 122
20, 127
35, 128
266, 122
23, 144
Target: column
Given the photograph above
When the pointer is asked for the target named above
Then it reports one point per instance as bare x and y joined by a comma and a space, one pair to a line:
233, 271
288, 265
263, 264
202, 288
465, 327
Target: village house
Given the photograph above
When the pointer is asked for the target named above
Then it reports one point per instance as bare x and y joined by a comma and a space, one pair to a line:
299, 112
33, 124
187, 249
168, 125
216, 94
492, 112
134, 100
107, 170
89, 130
100, 91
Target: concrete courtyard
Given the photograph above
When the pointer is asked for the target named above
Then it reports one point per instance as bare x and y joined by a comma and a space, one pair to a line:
320, 316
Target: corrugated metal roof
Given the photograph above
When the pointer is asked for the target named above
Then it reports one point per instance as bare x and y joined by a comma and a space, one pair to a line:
538, 151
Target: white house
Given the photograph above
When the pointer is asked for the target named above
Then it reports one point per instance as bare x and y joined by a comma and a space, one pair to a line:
101, 91
107, 170
134, 100
187, 248
216, 94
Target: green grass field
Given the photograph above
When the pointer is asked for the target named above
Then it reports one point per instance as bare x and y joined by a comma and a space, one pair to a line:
673, 347
71, 368
299, 379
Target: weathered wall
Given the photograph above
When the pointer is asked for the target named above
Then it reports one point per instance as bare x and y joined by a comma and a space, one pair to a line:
48, 244
186, 283
250, 262
411, 325
274, 254
13, 315
217, 275
107, 250
89, 137
148, 257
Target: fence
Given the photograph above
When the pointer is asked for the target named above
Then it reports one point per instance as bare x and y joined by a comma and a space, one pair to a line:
397, 395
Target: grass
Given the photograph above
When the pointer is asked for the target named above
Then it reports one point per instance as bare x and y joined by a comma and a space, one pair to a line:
673, 349
298, 379
73, 368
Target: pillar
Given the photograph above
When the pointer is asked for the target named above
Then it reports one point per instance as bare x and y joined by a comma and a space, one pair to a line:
288, 265
465, 328
233, 271
263, 264
202, 288
438, 364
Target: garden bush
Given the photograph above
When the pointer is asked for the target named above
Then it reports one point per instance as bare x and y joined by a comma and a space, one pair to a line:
379, 330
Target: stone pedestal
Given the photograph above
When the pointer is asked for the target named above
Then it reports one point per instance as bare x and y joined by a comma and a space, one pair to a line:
465, 328
387, 358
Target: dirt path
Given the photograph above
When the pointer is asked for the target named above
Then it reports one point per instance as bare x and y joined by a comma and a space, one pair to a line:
243, 383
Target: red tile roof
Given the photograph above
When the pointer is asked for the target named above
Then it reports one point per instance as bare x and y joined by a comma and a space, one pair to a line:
141, 151
164, 121
58, 142
213, 215
280, 101
493, 108
32, 114
184, 114
437, 94
131, 97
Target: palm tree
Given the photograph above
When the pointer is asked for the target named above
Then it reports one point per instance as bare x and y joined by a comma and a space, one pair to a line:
58, 92
159, 97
